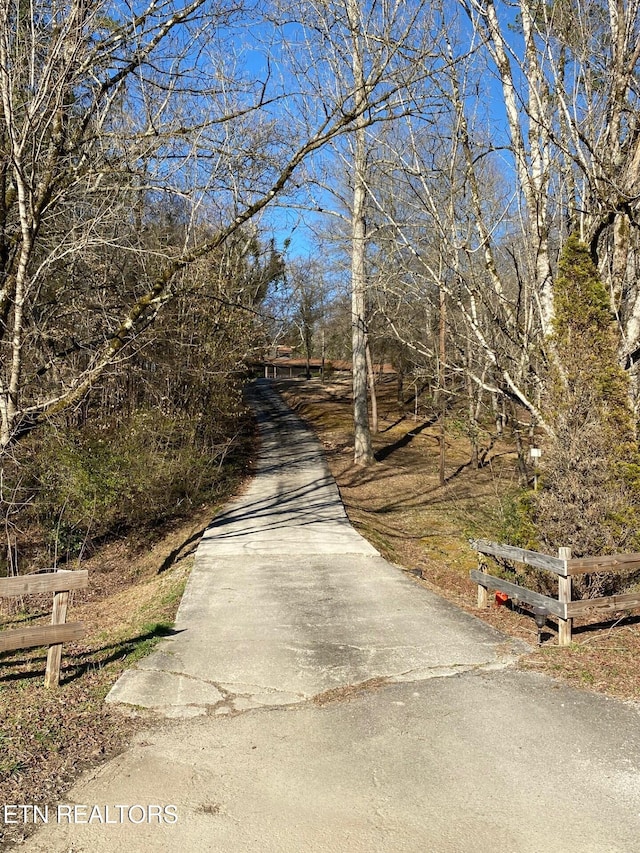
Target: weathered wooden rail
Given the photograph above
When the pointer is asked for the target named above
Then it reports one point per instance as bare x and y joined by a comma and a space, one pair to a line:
60, 583
563, 608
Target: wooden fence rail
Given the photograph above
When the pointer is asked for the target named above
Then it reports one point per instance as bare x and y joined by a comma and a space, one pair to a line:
565, 567
60, 583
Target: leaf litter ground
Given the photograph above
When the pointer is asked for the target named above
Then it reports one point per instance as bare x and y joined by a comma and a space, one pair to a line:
48, 737
424, 528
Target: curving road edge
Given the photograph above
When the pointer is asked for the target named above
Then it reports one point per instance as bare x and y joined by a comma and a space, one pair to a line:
287, 601
316, 700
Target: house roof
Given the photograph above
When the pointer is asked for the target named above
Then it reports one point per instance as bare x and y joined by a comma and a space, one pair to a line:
331, 364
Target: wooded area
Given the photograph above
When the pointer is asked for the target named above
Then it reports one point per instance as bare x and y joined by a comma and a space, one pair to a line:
452, 186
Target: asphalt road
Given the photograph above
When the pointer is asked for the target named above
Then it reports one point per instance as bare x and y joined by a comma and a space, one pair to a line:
315, 698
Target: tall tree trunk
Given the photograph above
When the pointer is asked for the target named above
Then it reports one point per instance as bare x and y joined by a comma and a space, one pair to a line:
442, 393
523, 473
473, 423
363, 452
372, 387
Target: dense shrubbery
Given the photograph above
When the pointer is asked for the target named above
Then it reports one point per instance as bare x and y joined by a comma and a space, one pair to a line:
83, 485
589, 496
87, 484
164, 431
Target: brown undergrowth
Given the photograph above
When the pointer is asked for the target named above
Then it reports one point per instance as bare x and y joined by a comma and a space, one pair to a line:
47, 737
399, 506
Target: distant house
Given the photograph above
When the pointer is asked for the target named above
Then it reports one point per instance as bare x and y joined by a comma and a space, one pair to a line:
286, 367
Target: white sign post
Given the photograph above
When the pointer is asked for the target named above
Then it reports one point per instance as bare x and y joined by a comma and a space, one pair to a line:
535, 454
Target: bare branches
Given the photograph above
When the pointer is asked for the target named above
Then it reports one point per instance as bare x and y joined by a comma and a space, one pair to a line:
106, 119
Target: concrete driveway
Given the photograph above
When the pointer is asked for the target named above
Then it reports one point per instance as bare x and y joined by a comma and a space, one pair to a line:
314, 698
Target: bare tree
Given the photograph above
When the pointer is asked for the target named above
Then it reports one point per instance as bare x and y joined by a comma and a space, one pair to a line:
570, 99
483, 215
298, 305
104, 113
376, 56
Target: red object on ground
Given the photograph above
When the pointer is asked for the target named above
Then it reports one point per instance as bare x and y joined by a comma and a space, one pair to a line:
501, 598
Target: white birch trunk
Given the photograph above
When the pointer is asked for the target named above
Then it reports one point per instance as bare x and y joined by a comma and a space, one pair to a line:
363, 452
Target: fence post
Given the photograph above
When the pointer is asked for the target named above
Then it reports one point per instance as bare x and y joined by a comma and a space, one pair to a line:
54, 655
483, 592
564, 595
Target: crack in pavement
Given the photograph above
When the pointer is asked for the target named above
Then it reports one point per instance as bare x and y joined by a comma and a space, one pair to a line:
314, 609
265, 698
373, 758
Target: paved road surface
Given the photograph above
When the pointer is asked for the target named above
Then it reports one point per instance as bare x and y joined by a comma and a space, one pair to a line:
314, 698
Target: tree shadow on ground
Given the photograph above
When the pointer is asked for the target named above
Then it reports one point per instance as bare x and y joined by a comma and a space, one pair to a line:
610, 623
76, 664
185, 549
403, 441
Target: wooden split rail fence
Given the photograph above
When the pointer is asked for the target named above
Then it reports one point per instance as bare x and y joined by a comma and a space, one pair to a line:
563, 608
60, 583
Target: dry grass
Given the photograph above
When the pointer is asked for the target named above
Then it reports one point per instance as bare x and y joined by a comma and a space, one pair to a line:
48, 737
400, 507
